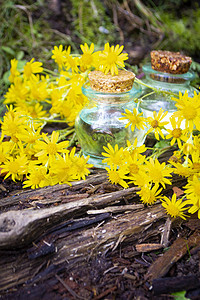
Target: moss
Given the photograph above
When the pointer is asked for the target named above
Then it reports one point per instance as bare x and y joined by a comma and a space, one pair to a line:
91, 22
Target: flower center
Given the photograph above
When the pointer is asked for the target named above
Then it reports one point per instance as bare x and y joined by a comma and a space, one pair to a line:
154, 123
14, 167
114, 177
177, 132
51, 149
112, 58
189, 113
156, 175
173, 210
196, 166
133, 169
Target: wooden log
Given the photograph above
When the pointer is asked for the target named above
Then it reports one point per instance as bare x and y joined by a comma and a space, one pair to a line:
79, 245
56, 192
19, 228
177, 250
170, 285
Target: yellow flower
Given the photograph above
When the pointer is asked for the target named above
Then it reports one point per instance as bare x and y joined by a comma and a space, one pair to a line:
86, 60
180, 169
49, 149
63, 170
194, 163
192, 189
133, 149
38, 89
114, 156
188, 110
134, 163
59, 55
18, 92
176, 133
155, 123
15, 167
112, 58
31, 68
82, 166
13, 124
141, 178
149, 195
117, 176
158, 172
175, 208
71, 62
38, 177
13, 70
135, 119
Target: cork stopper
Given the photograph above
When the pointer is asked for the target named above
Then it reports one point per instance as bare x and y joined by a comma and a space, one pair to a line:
108, 83
170, 62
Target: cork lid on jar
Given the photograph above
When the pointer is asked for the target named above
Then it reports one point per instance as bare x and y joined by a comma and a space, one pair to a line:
170, 62
108, 83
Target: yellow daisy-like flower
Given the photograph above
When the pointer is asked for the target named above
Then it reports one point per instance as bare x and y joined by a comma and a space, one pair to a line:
189, 110
158, 172
13, 70
18, 92
180, 169
192, 189
141, 178
177, 134
47, 150
134, 163
133, 149
13, 123
194, 163
117, 176
38, 177
15, 167
135, 119
155, 123
59, 55
87, 58
175, 208
82, 167
115, 156
31, 68
112, 58
63, 170
149, 195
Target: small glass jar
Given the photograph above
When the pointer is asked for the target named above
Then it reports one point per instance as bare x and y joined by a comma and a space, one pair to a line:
172, 83
99, 122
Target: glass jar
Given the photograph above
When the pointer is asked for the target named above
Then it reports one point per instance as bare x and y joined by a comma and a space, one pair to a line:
162, 81
99, 122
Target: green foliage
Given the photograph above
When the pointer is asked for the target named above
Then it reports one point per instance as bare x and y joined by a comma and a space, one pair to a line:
91, 22
181, 33
180, 296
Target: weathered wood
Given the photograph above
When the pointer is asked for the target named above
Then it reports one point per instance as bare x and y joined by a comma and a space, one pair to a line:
175, 284
56, 192
177, 250
79, 245
19, 228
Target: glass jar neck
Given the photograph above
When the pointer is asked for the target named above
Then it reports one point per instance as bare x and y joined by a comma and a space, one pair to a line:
111, 98
166, 79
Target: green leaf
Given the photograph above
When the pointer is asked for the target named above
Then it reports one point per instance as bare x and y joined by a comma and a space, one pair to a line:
20, 55
180, 295
162, 144
8, 50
